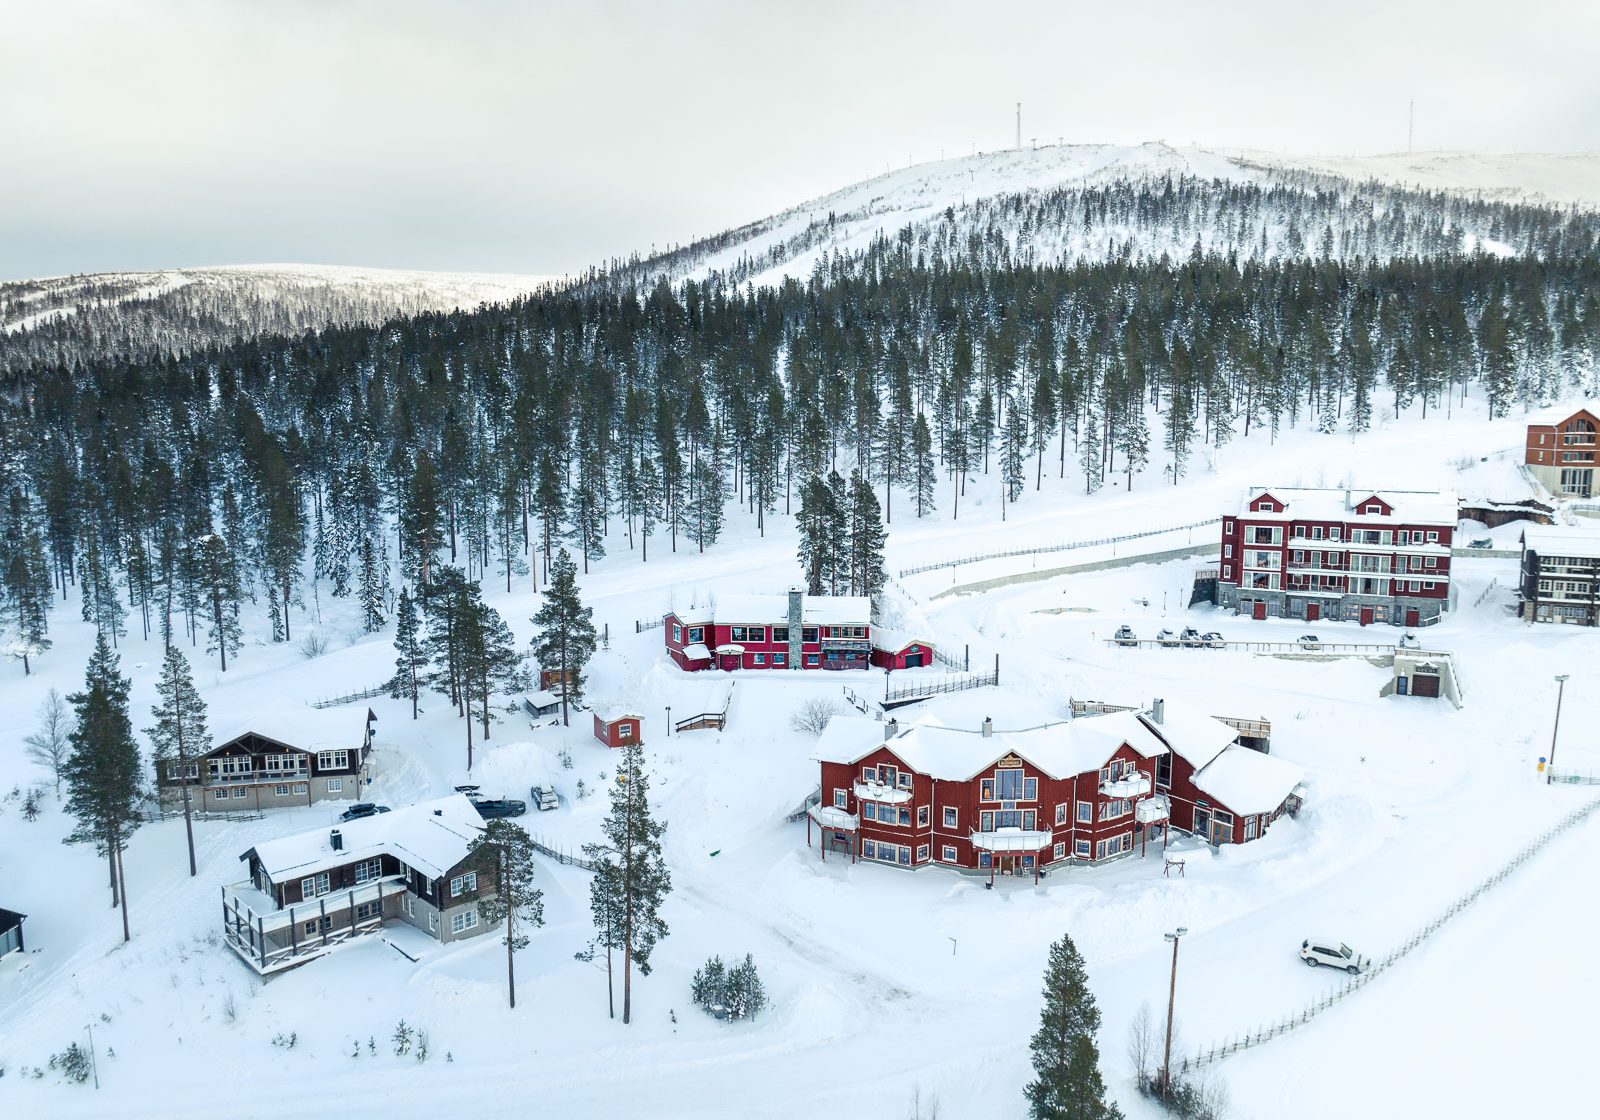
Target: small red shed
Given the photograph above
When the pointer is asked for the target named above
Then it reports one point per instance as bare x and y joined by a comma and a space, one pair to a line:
619, 731
897, 649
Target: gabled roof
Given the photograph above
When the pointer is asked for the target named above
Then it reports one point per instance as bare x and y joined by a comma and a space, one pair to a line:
1560, 540
309, 729
1059, 750
1557, 414
1248, 782
1193, 736
1303, 504
431, 836
773, 610
893, 641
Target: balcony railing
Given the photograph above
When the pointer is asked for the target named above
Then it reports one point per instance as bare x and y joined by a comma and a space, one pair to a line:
879, 791
1134, 785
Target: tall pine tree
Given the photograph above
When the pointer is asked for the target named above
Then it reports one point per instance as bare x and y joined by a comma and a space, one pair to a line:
566, 639
179, 734
1067, 1083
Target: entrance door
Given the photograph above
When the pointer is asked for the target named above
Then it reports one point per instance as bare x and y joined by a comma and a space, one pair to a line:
1366, 616
1313, 611
1413, 617
730, 661
1202, 822
1258, 610
1400, 686
913, 661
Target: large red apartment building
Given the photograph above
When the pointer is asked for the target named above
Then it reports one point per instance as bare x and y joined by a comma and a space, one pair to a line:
1562, 449
1355, 555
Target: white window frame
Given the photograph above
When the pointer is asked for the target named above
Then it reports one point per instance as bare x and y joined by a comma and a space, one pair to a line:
320, 885
952, 817
1059, 851
369, 870
239, 792
841, 799
460, 923
1061, 813
948, 853
1085, 812
335, 785
467, 881
333, 760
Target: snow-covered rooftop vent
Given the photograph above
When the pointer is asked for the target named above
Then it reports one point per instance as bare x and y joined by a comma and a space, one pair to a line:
988, 727
1158, 711
891, 728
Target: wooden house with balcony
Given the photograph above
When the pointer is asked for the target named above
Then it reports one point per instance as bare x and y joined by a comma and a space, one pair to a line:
1354, 555
793, 631
1560, 576
307, 894
275, 760
1561, 449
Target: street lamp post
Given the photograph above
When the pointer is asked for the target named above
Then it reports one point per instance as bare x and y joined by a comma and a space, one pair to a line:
1172, 995
1561, 686
669, 721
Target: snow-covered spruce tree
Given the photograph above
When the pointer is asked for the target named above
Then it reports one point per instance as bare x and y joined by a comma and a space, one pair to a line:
371, 586
746, 996
704, 508
179, 733
219, 581
709, 986
1013, 450
25, 586
1089, 450
1067, 1083
632, 881
509, 850
867, 539
814, 524
104, 778
566, 638
924, 471
411, 662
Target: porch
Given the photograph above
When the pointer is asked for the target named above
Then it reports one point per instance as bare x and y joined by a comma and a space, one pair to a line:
837, 829
271, 939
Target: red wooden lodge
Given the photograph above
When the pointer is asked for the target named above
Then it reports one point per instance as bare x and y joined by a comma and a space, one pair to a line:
1020, 802
793, 631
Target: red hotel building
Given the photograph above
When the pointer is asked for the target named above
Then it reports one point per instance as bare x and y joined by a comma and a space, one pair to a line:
1018, 802
793, 631
1358, 555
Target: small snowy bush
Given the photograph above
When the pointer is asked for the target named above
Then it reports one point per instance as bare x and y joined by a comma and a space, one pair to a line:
72, 1063
812, 716
736, 993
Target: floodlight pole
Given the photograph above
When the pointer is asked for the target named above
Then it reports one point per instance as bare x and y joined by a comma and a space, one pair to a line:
1549, 771
1172, 996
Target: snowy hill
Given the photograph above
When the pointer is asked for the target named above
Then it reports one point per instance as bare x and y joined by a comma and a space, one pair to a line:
180, 308
1011, 192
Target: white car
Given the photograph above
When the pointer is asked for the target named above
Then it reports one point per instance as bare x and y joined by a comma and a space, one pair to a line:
1309, 641
1409, 641
1166, 638
1335, 954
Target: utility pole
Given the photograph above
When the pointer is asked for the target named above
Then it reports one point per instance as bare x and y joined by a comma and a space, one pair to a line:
1172, 995
1019, 125
1561, 686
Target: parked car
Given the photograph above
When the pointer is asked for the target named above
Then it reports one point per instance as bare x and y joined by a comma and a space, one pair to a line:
544, 798
1190, 636
1213, 639
490, 808
1480, 542
471, 791
1167, 638
1408, 640
1309, 641
1125, 636
362, 809
1335, 954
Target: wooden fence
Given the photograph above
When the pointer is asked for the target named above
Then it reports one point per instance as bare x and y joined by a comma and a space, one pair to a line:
1066, 546
561, 856
352, 697
1221, 1050
952, 682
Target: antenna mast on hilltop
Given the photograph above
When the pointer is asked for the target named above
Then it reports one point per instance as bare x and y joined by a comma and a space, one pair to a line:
1019, 124
1411, 125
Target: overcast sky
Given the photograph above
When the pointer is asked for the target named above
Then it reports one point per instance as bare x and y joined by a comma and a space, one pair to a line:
492, 135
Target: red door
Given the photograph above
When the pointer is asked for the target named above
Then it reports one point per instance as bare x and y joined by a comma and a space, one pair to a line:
1313, 611
1258, 609
1413, 617
1366, 616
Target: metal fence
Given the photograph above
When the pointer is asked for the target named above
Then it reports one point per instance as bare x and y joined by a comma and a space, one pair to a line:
953, 682
1221, 1050
1067, 546
1572, 778
639, 627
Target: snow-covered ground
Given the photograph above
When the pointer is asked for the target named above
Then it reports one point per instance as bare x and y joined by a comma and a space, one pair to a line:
885, 984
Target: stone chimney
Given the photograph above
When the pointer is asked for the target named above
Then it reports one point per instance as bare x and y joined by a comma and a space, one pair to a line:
797, 597
336, 838
988, 727
1158, 711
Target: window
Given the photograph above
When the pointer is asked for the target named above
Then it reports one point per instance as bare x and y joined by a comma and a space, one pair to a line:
697, 634
736, 633
314, 886
757, 634
985, 859
317, 925
808, 634
948, 853
173, 769
887, 775
761, 659
1061, 813
1227, 571
220, 794
869, 810
333, 760
780, 633
922, 853
1085, 812
903, 816
779, 660
433, 921
335, 785
986, 789
1227, 552
1164, 771
905, 856
1080, 849
1030, 789
368, 870
625, 730
905, 779
280, 791
811, 659
365, 910
1227, 526
1059, 851
950, 816
677, 633
461, 884
460, 923
841, 799
1250, 826
986, 821
300, 789
924, 816
240, 792
1010, 784
1433, 537
869, 849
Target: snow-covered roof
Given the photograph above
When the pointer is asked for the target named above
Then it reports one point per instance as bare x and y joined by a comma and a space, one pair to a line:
1193, 736
697, 651
1560, 540
893, 641
1060, 750
431, 836
543, 698
1247, 781
830, 817
1556, 413
1300, 504
310, 729
773, 610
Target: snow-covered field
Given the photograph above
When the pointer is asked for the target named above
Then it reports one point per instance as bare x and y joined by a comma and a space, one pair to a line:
885, 984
